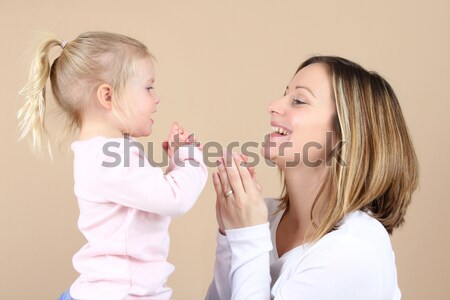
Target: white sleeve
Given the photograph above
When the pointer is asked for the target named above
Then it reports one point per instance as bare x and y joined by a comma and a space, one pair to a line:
249, 275
220, 288
342, 269
142, 186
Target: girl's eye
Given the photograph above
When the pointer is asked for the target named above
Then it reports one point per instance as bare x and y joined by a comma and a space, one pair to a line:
150, 88
298, 101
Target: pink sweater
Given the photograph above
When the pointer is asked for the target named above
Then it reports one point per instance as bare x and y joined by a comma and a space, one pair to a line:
125, 213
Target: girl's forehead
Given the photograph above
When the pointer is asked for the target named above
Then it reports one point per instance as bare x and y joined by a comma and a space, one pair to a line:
144, 69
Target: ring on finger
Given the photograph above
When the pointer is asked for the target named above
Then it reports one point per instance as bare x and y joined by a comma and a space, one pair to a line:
228, 193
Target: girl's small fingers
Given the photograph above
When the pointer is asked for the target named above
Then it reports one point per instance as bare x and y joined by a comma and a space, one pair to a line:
185, 137
192, 138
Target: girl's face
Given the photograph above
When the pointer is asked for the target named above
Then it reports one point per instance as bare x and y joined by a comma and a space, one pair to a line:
301, 119
142, 99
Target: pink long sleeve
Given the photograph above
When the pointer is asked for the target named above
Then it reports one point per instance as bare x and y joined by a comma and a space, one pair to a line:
125, 210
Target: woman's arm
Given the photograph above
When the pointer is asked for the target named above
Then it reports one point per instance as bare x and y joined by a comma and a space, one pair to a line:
243, 213
220, 288
250, 268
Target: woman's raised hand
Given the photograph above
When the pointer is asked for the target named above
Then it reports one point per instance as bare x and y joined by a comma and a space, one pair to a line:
239, 201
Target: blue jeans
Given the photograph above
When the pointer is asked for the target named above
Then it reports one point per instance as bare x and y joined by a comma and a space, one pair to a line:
65, 296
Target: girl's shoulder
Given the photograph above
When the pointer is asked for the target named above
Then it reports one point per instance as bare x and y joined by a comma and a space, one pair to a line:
99, 141
102, 147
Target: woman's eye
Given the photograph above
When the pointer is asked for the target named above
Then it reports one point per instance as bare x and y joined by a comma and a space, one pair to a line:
150, 88
298, 101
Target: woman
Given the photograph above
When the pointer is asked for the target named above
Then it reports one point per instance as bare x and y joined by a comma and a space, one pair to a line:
341, 143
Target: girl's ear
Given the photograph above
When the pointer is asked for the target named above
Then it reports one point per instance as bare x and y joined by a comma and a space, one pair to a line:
104, 96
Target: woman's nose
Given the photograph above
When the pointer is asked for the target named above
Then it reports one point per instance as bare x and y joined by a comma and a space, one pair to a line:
276, 107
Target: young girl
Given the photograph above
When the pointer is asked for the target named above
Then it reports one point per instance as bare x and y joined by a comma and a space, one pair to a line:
104, 84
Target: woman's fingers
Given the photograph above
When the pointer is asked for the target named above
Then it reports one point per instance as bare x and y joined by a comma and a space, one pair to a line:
245, 176
219, 202
217, 184
223, 176
165, 145
232, 171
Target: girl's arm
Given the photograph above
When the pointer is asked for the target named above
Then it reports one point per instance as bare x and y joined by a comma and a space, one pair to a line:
142, 186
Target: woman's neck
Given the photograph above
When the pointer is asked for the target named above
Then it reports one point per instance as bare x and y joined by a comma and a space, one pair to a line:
302, 186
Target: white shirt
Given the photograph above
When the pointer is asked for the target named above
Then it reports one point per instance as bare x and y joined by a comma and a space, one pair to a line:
355, 261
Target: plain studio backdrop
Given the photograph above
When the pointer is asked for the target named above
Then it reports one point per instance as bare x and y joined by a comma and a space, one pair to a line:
219, 64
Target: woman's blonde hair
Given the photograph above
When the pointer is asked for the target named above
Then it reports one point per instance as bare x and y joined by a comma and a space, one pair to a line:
377, 169
88, 61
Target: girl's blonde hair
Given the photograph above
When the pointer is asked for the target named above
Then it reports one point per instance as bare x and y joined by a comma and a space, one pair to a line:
376, 170
92, 59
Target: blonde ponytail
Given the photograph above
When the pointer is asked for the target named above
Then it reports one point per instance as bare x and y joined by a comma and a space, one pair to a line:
31, 115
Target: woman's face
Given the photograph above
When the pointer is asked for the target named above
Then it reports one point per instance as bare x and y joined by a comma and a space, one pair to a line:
301, 119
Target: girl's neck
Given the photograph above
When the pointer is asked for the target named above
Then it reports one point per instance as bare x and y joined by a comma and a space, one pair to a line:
90, 129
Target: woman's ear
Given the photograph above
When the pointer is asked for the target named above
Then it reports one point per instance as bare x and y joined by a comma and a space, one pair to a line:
104, 96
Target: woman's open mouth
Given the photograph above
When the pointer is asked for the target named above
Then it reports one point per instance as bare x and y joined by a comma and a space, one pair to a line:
279, 131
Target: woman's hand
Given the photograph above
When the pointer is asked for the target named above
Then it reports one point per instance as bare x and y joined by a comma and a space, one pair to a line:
239, 200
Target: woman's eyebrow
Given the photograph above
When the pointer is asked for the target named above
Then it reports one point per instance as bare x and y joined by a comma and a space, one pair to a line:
304, 87
301, 87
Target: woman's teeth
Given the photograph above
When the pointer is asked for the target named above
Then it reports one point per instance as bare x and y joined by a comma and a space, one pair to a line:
280, 130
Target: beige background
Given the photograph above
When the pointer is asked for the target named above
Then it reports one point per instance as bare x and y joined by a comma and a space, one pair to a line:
219, 65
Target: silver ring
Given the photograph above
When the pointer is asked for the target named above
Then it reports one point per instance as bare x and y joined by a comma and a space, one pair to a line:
227, 194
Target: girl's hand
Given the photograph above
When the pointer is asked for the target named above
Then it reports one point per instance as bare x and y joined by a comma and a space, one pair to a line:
168, 144
177, 138
187, 138
239, 200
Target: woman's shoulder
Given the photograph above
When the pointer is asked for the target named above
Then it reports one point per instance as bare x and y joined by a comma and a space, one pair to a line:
362, 226
359, 251
359, 234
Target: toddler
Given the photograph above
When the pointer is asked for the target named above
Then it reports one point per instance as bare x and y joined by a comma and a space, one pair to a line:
104, 83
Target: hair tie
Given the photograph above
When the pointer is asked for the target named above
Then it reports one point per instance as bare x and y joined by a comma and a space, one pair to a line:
63, 44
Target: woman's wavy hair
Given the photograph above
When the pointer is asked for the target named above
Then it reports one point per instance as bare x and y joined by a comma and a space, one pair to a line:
376, 170
91, 59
